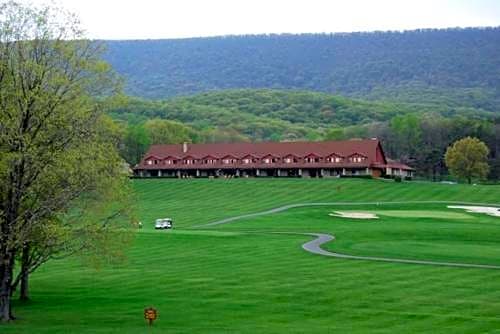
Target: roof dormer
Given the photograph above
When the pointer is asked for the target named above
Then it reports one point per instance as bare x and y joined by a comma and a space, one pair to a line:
356, 158
334, 158
209, 160
152, 160
229, 159
170, 160
312, 158
249, 159
290, 158
270, 159
189, 160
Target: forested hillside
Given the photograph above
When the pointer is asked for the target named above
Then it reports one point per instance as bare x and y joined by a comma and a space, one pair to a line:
458, 68
277, 115
262, 114
412, 133
418, 91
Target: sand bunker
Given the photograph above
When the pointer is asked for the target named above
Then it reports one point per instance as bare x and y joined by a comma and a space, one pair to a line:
491, 211
355, 215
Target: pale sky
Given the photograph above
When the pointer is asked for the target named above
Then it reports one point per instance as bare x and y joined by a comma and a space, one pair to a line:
152, 19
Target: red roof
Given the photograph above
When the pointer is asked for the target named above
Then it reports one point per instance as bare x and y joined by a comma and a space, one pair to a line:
397, 165
371, 149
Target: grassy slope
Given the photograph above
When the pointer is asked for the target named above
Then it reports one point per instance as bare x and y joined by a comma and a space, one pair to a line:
201, 201
422, 232
234, 282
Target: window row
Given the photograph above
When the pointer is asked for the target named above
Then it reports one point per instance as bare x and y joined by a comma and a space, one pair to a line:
252, 160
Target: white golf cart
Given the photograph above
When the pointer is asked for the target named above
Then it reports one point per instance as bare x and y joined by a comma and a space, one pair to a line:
163, 224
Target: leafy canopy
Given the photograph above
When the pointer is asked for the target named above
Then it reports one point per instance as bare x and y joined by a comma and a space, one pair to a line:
467, 158
59, 167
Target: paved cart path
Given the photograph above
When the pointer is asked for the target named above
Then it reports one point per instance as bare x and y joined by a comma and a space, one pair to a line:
314, 246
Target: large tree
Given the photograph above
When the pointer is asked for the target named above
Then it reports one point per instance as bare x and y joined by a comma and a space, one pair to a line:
56, 158
468, 158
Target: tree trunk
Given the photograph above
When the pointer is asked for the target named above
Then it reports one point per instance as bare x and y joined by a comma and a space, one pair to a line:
6, 275
24, 293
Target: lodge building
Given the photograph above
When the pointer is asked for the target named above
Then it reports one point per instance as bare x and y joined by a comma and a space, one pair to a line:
272, 159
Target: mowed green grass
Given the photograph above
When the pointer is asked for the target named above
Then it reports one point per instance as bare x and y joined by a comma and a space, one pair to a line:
240, 278
199, 201
416, 231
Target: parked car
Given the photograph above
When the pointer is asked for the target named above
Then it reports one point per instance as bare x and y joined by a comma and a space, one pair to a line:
163, 223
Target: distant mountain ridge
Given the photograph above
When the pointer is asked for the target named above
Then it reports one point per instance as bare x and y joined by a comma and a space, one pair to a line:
457, 67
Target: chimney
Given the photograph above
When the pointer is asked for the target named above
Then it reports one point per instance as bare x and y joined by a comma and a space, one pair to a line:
184, 147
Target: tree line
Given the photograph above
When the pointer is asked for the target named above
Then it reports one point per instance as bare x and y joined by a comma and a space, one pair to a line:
419, 140
422, 140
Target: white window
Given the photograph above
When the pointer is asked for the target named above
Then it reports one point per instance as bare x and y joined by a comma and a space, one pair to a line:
333, 159
267, 160
311, 159
288, 160
247, 161
149, 162
357, 159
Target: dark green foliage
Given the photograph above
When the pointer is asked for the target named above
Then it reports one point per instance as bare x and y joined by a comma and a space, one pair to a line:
277, 115
135, 143
421, 140
459, 68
